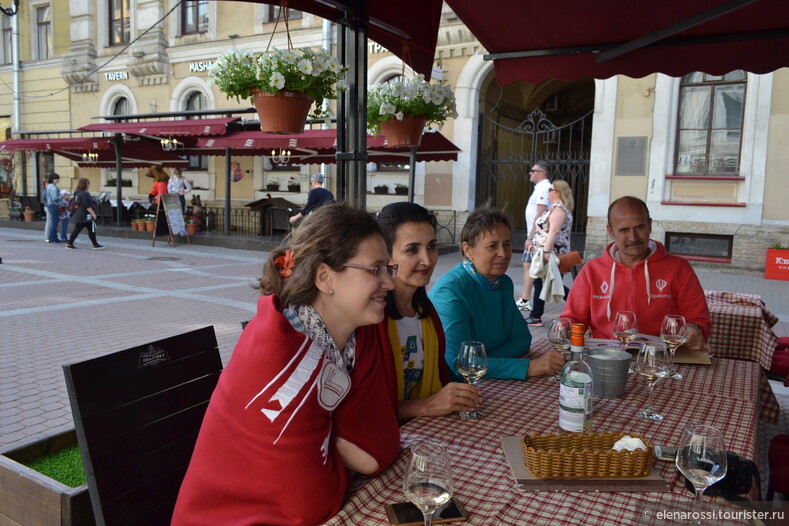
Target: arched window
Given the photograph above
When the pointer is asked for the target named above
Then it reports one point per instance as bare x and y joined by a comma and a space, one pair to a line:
709, 129
196, 101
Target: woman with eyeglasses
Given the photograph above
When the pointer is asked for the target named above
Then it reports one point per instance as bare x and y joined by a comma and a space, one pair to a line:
475, 302
552, 234
414, 342
304, 400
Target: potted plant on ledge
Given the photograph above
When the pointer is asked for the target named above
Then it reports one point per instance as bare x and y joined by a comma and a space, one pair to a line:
293, 185
402, 109
273, 185
282, 84
29, 214
401, 189
381, 189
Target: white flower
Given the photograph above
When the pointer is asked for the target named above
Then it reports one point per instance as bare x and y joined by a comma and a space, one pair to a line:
305, 66
387, 108
277, 80
399, 115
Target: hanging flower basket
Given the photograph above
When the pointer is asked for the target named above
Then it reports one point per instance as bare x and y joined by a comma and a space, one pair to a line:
283, 112
406, 132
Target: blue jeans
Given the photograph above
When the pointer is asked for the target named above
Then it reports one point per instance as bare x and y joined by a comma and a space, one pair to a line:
538, 305
54, 213
64, 228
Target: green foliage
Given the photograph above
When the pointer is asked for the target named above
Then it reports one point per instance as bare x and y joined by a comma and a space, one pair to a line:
777, 246
315, 73
65, 466
410, 98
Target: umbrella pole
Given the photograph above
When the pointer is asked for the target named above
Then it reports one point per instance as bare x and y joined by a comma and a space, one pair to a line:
412, 175
227, 191
118, 181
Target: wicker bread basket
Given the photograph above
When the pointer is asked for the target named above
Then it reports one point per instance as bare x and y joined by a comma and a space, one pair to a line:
583, 455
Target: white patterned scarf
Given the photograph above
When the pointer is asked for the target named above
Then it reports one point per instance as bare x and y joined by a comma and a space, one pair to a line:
305, 319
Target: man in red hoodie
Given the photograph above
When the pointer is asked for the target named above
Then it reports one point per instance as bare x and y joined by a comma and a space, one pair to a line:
637, 274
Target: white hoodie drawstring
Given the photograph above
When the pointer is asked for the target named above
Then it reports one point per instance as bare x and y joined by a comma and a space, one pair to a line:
646, 279
611, 295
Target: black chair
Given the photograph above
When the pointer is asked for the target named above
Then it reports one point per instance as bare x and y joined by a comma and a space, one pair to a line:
279, 220
104, 212
137, 414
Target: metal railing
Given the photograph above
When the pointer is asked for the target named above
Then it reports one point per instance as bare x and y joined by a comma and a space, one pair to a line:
243, 221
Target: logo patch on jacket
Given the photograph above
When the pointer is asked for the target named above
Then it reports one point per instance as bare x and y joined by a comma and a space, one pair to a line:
660, 284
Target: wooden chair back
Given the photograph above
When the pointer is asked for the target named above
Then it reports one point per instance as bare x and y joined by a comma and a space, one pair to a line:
137, 414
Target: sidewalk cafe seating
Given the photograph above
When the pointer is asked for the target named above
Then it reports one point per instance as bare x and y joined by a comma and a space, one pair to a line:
137, 413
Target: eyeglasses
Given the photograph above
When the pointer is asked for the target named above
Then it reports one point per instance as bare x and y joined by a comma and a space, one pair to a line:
552, 189
532, 171
378, 270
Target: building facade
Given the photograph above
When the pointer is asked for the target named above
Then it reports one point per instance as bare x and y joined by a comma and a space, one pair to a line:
704, 152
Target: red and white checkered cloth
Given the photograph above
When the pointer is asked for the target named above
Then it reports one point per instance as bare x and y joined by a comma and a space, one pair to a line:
741, 327
723, 395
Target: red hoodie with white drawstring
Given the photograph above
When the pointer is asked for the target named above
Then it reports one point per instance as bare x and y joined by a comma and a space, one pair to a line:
660, 284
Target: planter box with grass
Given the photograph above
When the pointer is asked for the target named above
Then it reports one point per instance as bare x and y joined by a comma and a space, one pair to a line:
29, 498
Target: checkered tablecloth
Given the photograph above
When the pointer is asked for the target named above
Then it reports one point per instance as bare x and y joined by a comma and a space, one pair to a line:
722, 395
741, 327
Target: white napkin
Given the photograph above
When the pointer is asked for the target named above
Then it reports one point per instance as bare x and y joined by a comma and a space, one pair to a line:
629, 443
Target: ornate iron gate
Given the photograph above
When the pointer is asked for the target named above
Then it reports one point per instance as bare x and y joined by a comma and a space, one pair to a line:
507, 154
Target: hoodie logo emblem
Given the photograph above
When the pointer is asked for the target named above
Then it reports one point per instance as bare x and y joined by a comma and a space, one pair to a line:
661, 284
604, 287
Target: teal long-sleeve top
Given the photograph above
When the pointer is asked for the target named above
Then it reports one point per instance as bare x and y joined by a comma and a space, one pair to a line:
470, 312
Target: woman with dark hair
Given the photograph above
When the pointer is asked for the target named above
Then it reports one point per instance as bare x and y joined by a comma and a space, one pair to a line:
411, 331
304, 400
475, 302
84, 215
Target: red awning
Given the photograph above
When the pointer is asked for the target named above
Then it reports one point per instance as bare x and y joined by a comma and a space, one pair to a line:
407, 28
190, 127
80, 144
581, 38
319, 146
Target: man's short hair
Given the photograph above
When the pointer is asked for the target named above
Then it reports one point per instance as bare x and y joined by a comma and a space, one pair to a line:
318, 178
542, 165
632, 199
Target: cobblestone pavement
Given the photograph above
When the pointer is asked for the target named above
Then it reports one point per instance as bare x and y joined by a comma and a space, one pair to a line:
59, 306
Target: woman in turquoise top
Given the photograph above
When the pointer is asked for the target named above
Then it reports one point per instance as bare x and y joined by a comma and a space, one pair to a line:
475, 301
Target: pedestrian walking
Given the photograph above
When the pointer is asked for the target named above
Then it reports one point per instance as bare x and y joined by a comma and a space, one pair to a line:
84, 215
65, 215
52, 202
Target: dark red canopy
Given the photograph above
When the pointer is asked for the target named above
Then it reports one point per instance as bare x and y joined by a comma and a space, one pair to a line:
407, 28
80, 144
165, 128
569, 39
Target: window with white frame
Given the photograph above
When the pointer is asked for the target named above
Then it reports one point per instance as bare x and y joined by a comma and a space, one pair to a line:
196, 101
194, 17
709, 124
119, 21
6, 41
272, 12
43, 32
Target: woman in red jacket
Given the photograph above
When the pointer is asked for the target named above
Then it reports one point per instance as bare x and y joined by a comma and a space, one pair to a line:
412, 332
303, 401
160, 180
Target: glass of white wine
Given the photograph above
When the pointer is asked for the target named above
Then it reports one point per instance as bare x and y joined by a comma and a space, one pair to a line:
652, 364
428, 477
672, 331
472, 365
701, 457
625, 327
559, 338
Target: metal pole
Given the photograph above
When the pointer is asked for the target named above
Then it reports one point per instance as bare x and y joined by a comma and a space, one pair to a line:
227, 191
118, 181
342, 143
412, 175
356, 19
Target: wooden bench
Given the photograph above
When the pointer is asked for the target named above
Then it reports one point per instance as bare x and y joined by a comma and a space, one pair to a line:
137, 414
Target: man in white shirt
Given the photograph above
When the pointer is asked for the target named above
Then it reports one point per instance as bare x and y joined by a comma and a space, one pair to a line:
538, 203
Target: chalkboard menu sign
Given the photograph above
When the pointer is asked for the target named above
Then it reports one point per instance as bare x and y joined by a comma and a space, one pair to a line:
171, 205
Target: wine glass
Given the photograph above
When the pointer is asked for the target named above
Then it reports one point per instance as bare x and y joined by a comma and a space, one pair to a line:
428, 477
559, 338
701, 457
472, 365
652, 364
672, 331
625, 327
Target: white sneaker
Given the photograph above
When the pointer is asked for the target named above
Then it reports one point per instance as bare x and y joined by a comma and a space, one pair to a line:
523, 304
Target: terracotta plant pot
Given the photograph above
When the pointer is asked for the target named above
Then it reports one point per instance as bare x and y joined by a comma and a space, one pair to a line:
150, 226
29, 216
284, 112
134, 226
407, 132
191, 229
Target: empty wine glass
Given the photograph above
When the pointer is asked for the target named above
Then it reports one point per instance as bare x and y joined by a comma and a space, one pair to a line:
625, 327
472, 365
672, 331
428, 477
559, 338
652, 364
701, 457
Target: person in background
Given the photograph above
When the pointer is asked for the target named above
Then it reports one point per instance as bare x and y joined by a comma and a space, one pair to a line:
317, 197
552, 234
64, 216
160, 180
84, 216
52, 202
638, 274
411, 331
475, 302
180, 186
538, 203
303, 400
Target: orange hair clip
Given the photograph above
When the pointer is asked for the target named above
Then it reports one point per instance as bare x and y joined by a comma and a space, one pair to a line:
285, 264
